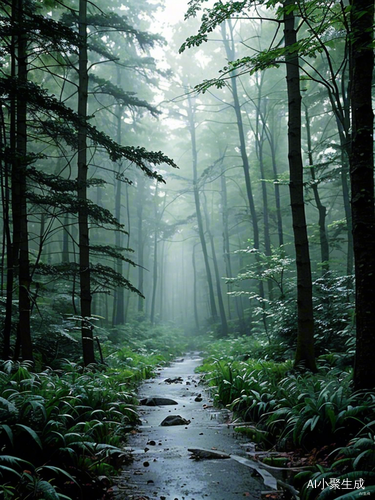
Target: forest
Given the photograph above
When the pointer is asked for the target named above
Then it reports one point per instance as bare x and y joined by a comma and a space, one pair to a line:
186, 176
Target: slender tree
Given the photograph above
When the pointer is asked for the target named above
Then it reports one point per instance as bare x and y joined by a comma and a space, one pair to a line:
322, 210
362, 184
223, 317
140, 238
83, 225
305, 336
202, 238
19, 203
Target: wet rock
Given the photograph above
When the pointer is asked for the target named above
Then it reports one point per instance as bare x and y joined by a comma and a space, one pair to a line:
104, 481
176, 380
200, 453
174, 420
157, 401
198, 399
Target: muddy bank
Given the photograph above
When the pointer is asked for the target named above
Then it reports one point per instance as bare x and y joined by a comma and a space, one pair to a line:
163, 467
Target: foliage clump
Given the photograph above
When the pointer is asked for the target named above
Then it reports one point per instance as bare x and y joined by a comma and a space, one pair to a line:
314, 416
62, 430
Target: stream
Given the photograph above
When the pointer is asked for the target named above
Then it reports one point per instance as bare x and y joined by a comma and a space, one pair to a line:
163, 468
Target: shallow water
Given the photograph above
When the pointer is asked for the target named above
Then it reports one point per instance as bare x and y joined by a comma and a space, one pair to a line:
162, 468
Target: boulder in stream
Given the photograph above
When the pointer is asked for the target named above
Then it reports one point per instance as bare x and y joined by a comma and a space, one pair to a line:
200, 453
176, 380
174, 420
157, 401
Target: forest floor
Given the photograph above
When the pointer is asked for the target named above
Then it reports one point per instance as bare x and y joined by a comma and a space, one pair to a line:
163, 467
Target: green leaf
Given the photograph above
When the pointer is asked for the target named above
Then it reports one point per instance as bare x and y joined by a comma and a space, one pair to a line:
59, 471
47, 490
9, 459
8, 432
9, 469
32, 433
360, 456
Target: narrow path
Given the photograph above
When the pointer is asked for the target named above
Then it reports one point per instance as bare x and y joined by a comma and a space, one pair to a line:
162, 467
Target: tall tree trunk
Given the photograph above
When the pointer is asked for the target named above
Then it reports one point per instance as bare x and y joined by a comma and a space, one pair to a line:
65, 257
140, 243
5, 192
19, 205
259, 142
324, 245
226, 244
195, 286
83, 225
226, 249
154, 277
118, 317
347, 208
155, 262
241, 134
341, 110
119, 293
343, 126
231, 55
260, 125
273, 148
345, 173
128, 292
213, 309
305, 338
163, 265
223, 318
362, 184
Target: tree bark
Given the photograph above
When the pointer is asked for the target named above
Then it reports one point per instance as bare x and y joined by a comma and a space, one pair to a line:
155, 260
213, 309
128, 292
6, 202
19, 204
273, 149
231, 55
305, 336
195, 286
324, 245
259, 142
83, 225
223, 318
140, 244
241, 134
119, 293
362, 184
226, 251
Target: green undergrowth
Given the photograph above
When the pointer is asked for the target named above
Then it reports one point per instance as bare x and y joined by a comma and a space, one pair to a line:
317, 415
62, 430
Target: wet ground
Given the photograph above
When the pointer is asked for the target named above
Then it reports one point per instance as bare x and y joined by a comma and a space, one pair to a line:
163, 468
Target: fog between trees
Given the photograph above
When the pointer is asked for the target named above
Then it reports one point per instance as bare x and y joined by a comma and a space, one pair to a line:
131, 195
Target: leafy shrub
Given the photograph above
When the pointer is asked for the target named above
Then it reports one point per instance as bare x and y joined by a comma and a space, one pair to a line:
60, 430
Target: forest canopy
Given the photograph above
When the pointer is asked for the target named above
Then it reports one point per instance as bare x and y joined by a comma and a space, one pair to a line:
185, 174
